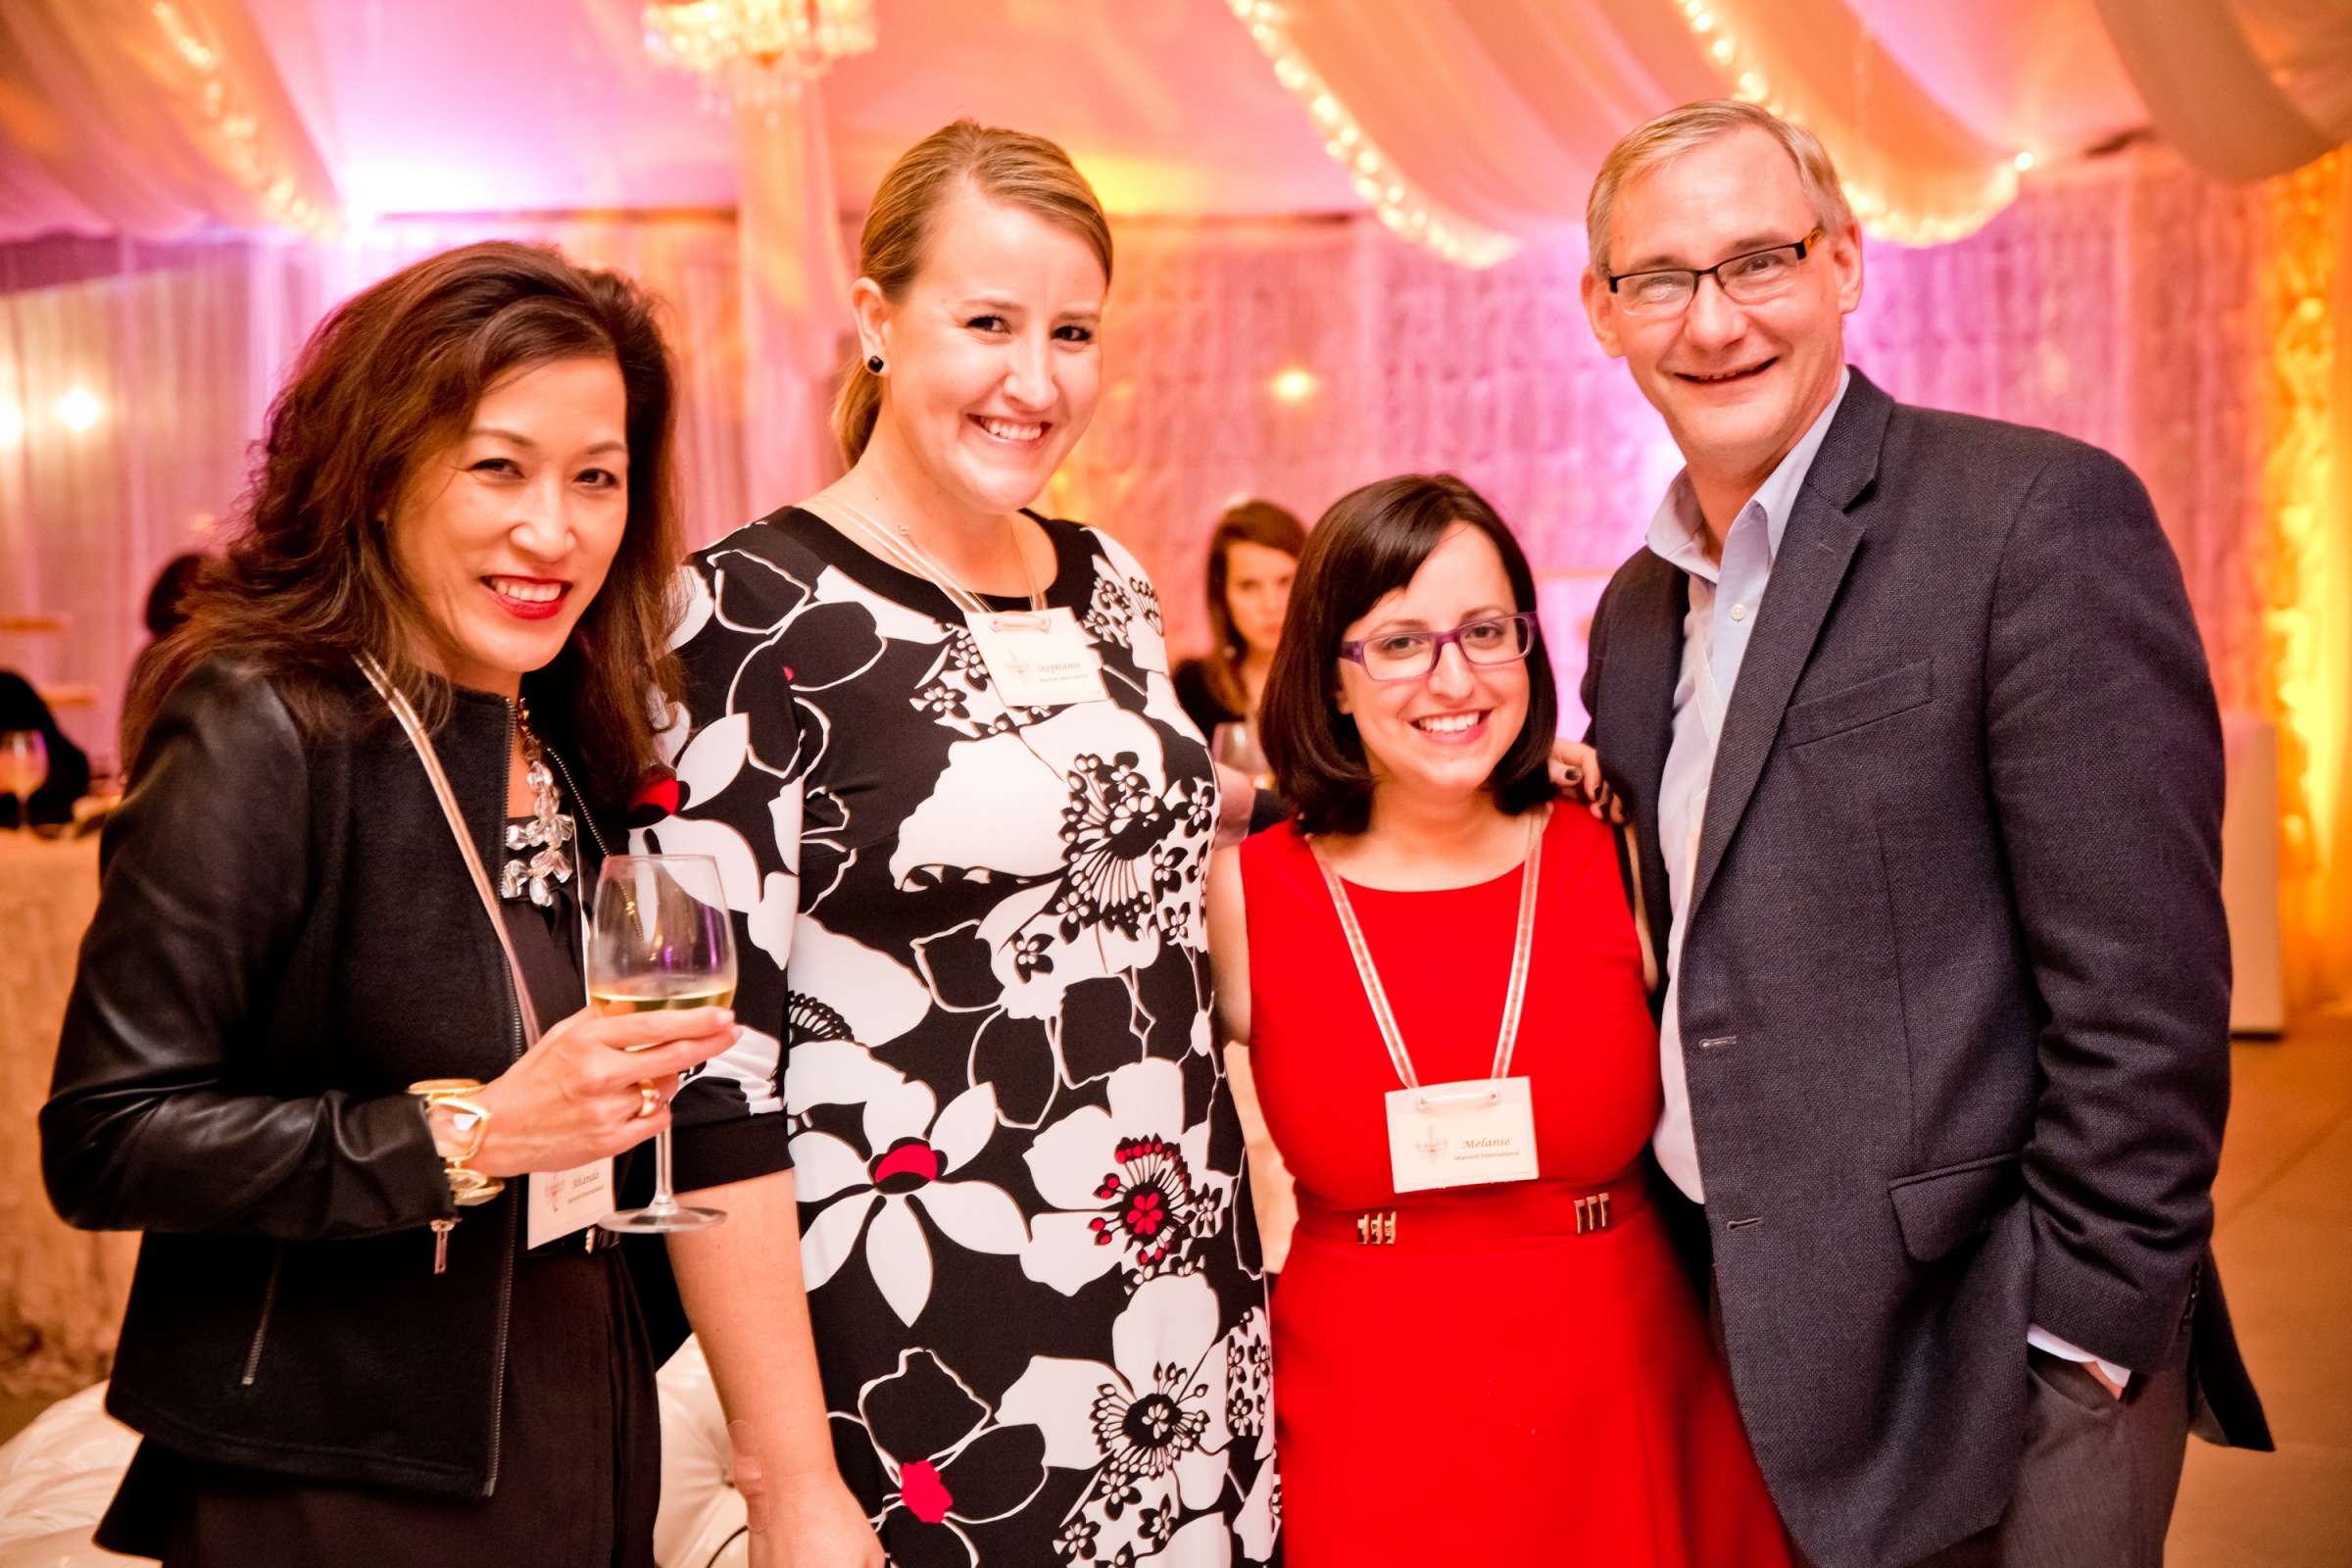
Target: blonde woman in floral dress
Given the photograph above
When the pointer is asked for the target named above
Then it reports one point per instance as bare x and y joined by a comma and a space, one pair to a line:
990, 1288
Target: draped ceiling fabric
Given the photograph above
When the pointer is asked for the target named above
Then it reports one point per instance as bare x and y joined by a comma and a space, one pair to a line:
156, 119
1487, 119
2243, 88
1500, 111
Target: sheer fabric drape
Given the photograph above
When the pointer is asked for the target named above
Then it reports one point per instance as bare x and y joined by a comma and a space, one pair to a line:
152, 117
1490, 116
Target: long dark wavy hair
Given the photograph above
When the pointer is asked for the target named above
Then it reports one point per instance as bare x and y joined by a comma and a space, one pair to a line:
388, 379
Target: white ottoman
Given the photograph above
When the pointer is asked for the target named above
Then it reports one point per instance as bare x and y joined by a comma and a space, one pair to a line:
58, 1475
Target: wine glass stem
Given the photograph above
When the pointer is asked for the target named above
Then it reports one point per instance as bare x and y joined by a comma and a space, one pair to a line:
664, 1201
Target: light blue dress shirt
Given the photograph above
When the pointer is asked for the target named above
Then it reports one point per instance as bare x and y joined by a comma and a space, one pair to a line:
1725, 598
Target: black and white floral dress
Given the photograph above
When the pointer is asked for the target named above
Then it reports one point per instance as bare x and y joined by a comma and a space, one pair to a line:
975, 989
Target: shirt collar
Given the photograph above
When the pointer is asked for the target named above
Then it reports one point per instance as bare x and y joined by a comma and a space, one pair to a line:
1678, 532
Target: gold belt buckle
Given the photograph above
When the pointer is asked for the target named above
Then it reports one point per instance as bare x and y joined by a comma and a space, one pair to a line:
1376, 1228
1592, 1214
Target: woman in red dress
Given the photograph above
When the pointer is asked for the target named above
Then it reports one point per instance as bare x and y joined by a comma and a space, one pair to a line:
1485, 1348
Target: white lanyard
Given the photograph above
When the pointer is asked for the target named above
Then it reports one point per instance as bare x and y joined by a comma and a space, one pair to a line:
558, 1204
906, 552
1530, 879
398, 702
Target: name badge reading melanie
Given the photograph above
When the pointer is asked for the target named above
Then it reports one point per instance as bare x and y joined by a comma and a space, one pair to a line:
1039, 658
1461, 1134
562, 1202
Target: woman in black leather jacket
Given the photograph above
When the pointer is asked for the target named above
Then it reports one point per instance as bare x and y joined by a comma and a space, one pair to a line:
465, 481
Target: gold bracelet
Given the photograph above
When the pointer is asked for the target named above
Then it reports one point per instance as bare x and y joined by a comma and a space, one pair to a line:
467, 1186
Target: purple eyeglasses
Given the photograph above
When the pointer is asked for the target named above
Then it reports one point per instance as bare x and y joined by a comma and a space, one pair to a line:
1413, 655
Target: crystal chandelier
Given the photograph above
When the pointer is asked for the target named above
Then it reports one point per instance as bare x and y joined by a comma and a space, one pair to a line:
758, 51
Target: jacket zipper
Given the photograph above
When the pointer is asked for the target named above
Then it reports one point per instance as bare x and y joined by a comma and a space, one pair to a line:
506, 1276
260, 1330
579, 802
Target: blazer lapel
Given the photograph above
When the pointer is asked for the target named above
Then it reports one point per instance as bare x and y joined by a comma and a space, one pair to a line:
1644, 656
1815, 550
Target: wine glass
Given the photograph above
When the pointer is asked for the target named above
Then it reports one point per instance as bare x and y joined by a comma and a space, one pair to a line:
661, 939
23, 769
1235, 744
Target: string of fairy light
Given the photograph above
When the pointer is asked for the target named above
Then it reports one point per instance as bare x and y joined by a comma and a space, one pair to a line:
1410, 211
1883, 218
1404, 207
239, 131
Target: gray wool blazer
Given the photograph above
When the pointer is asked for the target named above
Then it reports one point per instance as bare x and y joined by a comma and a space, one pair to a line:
1955, 985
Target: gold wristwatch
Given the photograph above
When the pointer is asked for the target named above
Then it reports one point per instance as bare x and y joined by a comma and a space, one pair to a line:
467, 1186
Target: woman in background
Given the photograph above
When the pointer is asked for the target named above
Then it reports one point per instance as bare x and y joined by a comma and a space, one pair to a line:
167, 599
67, 780
1251, 559
1488, 1349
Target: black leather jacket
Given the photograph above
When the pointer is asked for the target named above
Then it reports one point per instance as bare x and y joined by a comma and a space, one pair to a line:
285, 939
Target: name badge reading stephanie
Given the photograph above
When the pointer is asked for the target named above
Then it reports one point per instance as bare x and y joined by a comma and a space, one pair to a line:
1039, 658
562, 1202
1461, 1134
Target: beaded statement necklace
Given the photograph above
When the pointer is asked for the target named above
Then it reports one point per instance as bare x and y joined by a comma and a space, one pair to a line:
542, 863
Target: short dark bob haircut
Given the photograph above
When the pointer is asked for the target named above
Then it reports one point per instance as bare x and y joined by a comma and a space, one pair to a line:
1369, 544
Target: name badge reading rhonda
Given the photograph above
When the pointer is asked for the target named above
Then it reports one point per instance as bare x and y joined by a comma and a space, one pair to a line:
562, 1202
1039, 658
1461, 1134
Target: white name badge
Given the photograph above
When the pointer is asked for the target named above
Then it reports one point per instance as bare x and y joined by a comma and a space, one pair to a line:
1462, 1133
562, 1201
1039, 658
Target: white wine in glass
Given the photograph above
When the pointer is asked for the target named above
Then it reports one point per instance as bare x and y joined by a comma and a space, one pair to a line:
23, 769
661, 941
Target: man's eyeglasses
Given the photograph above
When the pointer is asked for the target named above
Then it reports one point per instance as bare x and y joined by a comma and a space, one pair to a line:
1413, 655
1748, 278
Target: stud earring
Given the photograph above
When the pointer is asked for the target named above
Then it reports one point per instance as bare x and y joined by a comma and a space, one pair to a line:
873, 363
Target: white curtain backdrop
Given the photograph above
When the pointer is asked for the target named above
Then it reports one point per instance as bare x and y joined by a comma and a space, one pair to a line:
166, 358
795, 293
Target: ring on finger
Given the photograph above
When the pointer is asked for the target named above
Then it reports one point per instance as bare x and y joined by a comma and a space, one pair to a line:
649, 1100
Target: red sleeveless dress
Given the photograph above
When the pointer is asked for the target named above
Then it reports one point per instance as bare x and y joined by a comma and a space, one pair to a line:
1521, 1376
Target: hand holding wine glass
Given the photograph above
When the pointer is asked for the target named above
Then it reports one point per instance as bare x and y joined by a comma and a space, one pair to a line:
661, 942
575, 1096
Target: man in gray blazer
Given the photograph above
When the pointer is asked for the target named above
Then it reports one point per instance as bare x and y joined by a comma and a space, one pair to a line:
1917, 733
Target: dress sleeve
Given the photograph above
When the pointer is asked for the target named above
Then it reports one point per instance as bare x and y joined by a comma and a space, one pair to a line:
739, 786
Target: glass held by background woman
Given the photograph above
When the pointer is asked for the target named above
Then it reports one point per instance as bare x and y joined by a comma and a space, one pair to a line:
990, 1290
364, 1328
